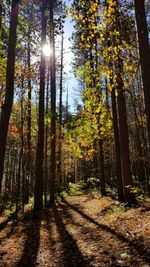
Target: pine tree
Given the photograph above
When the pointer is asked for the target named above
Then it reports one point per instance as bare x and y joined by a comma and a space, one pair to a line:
8, 102
144, 51
38, 196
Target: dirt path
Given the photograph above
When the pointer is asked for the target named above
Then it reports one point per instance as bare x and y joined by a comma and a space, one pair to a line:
80, 231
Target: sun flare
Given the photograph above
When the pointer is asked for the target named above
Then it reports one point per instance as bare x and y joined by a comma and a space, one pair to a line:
46, 50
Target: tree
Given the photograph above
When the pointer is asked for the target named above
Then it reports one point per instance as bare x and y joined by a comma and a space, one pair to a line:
38, 196
60, 114
117, 146
144, 51
29, 102
53, 106
121, 101
1, 10
8, 102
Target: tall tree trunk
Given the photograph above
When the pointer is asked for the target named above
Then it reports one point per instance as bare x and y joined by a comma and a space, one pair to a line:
28, 155
124, 136
20, 163
117, 147
124, 141
144, 49
53, 107
8, 102
1, 10
138, 141
123, 125
46, 180
102, 173
38, 200
60, 116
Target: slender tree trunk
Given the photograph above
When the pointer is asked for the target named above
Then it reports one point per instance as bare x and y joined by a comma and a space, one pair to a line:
121, 102
46, 181
53, 107
7, 172
38, 201
124, 145
138, 141
67, 106
124, 136
1, 10
117, 147
95, 169
102, 173
8, 102
28, 155
144, 49
60, 116
20, 163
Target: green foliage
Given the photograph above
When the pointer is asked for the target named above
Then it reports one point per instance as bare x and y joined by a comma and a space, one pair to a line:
8, 212
139, 193
92, 183
115, 211
62, 195
75, 189
30, 204
7, 205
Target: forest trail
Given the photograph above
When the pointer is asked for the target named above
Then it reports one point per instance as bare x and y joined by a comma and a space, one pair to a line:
83, 230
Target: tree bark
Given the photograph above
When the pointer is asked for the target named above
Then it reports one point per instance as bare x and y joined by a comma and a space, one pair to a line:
53, 107
123, 124
60, 116
8, 102
38, 200
102, 173
28, 155
46, 180
144, 50
1, 10
117, 147
124, 136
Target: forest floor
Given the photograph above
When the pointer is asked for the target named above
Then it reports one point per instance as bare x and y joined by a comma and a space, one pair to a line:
81, 230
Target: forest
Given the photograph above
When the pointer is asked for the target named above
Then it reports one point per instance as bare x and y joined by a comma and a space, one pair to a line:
75, 185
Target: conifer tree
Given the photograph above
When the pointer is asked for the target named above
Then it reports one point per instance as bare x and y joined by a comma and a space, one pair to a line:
144, 51
53, 104
38, 196
8, 102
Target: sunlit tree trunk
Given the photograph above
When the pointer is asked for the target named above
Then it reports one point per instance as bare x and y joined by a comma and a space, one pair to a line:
53, 106
46, 180
8, 102
60, 116
28, 154
38, 200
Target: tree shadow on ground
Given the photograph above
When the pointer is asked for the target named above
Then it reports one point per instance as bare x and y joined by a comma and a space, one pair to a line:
31, 246
83, 228
67, 216
136, 245
72, 256
8, 235
89, 235
48, 217
4, 224
6, 221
